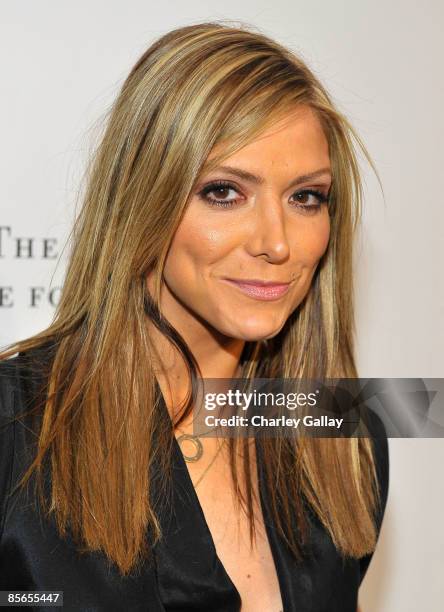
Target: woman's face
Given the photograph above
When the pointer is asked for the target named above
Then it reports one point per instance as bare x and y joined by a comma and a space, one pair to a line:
259, 218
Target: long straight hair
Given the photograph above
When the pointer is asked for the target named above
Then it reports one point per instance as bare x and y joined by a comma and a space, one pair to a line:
196, 87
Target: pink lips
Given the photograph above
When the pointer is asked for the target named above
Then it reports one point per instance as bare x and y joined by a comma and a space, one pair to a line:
259, 289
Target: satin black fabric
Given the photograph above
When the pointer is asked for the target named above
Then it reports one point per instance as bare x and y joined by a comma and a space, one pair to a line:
185, 573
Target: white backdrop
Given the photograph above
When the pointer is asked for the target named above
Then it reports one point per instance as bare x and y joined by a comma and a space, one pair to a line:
62, 65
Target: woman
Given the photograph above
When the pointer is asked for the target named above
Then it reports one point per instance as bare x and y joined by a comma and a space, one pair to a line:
214, 241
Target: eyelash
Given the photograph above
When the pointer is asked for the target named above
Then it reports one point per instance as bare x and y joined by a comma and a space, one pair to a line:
321, 197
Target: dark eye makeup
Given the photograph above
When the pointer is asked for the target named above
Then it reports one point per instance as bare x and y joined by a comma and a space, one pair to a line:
225, 186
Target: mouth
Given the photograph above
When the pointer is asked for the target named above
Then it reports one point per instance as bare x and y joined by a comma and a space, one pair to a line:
260, 290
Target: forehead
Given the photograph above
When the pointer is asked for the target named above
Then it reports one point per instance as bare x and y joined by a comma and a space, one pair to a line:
296, 140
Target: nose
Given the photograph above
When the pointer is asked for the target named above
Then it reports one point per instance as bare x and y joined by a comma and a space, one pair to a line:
268, 232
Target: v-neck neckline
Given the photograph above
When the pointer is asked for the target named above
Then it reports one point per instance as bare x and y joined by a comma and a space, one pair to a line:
268, 530
209, 535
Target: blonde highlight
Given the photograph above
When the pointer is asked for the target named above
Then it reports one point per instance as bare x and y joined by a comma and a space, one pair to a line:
196, 88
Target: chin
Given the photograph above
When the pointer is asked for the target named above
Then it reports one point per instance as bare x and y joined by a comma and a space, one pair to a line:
253, 331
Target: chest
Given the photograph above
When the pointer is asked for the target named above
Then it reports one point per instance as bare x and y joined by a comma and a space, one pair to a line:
187, 574
250, 566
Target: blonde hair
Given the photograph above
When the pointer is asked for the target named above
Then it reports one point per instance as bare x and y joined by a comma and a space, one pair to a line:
196, 87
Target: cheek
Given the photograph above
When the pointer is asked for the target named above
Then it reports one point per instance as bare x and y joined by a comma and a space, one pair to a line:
196, 244
313, 240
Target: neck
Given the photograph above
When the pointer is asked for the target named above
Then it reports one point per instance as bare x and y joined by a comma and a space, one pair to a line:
216, 355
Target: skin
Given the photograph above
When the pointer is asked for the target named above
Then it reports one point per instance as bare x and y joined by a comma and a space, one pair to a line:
265, 235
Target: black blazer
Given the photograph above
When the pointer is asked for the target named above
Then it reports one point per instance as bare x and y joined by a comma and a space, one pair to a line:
185, 573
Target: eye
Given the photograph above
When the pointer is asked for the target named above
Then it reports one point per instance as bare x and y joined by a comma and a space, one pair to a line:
222, 190
310, 200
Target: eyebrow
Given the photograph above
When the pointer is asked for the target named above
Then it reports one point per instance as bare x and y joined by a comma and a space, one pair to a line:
259, 180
